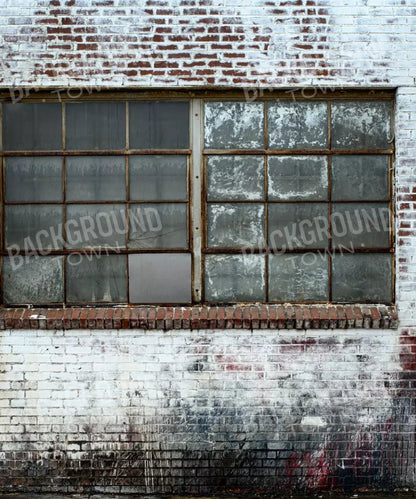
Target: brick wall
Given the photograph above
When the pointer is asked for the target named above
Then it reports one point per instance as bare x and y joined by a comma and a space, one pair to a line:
215, 411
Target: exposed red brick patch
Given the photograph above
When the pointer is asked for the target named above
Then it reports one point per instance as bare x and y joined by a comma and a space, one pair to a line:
203, 317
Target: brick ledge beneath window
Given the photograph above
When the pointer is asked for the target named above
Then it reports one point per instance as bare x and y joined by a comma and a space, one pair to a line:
203, 317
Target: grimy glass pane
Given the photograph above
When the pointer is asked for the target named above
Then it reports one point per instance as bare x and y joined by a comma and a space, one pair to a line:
297, 125
298, 277
162, 225
360, 225
32, 127
234, 125
234, 278
362, 277
235, 178
34, 179
160, 278
236, 225
32, 279
298, 177
159, 125
362, 125
360, 178
298, 225
34, 226
95, 125
96, 279
95, 178
96, 225
155, 178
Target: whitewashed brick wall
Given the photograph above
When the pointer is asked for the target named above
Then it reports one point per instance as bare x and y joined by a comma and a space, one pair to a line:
208, 412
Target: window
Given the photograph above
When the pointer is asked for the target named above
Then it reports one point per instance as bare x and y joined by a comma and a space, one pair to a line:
190, 200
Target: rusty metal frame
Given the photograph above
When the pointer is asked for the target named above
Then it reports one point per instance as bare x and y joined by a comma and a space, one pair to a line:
196, 179
328, 153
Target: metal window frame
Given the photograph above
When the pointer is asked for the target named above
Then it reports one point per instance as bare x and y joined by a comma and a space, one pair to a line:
197, 193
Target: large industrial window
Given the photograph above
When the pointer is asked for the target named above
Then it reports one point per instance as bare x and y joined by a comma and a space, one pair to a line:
190, 200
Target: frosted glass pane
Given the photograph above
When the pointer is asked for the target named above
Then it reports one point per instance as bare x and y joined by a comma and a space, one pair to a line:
234, 278
298, 225
96, 225
234, 125
362, 125
33, 280
235, 178
298, 277
34, 179
360, 225
96, 178
96, 125
298, 125
32, 127
34, 226
364, 277
360, 177
156, 178
298, 177
162, 225
159, 125
96, 279
235, 225
160, 278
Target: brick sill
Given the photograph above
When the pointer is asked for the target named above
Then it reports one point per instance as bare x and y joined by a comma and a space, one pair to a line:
203, 317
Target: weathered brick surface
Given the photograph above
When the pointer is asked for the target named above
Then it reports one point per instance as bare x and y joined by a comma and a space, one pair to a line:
126, 400
192, 43
214, 317
208, 412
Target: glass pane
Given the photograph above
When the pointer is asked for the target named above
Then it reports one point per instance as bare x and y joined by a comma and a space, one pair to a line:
235, 225
162, 225
96, 225
96, 279
32, 280
159, 125
298, 225
298, 278
360, 177
364, 277
96, 178
160, 278
298, 177
364, 125
154, 178
34, 226
32, 127
34, 179
96, 125
234, 125
359, 225
298, 125
235, 177
234, 278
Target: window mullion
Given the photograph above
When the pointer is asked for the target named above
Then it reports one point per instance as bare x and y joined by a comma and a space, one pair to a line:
196, 200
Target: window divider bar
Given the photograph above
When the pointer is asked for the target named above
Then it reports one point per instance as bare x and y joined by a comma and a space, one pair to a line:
196, 133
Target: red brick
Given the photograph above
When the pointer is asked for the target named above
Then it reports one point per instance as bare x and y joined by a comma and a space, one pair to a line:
83, 318
125, 321
160, 317
281, 317
50, 318
229, 318
220, 317
99, 318
212, 317
108, 320
186, 318
118, 312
